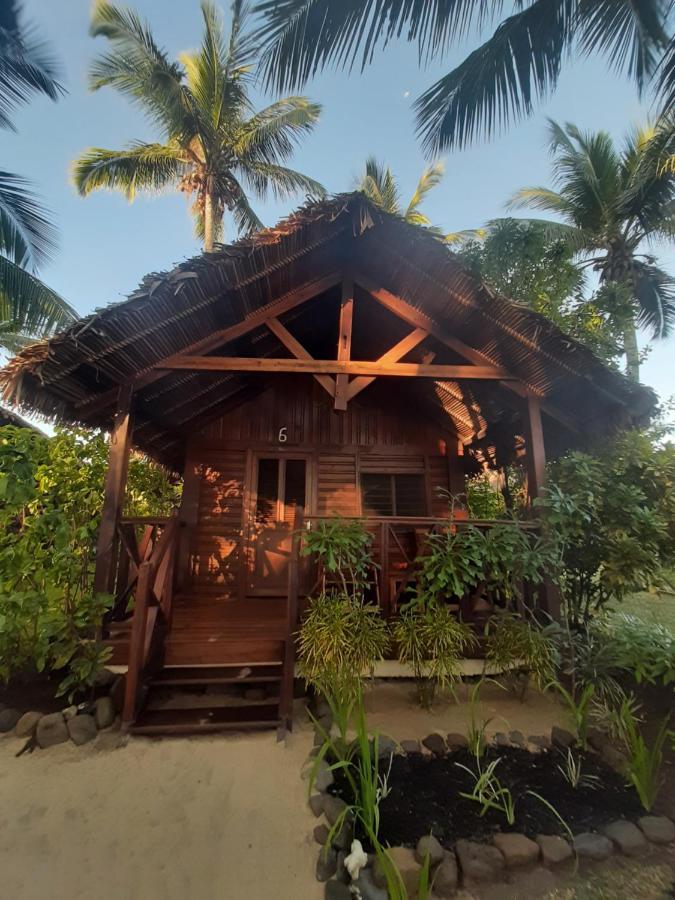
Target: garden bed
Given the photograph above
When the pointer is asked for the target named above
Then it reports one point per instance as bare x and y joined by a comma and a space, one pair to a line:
424, 796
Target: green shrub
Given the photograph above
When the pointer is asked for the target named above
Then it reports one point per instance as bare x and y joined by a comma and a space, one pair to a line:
614, 516
51, 496
343, 547
461, 561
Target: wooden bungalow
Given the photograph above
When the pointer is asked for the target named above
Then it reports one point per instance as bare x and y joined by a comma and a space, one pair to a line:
342, 362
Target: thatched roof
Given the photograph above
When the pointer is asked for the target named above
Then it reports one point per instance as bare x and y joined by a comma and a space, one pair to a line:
8, 417
61, 378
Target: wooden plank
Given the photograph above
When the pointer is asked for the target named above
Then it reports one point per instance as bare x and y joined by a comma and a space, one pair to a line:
536, 453
344, 347
282, 304
333, 366
299, 352
396, 353
115, 484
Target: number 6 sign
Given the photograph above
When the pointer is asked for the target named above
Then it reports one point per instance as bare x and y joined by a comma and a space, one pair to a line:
282, 437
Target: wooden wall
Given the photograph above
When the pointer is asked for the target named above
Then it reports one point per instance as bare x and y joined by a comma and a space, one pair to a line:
338, 446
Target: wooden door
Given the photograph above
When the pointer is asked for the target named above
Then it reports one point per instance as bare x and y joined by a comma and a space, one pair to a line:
280, 483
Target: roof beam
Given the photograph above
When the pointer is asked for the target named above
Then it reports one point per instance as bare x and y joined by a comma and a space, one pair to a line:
299, 352
332, 366
288, 301
393, 355
408, 313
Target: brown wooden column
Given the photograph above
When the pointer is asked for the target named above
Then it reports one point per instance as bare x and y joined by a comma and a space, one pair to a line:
536, 453
549, 595
115, 484
344, 348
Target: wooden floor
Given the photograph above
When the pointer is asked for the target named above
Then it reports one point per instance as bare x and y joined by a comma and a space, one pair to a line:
211, 629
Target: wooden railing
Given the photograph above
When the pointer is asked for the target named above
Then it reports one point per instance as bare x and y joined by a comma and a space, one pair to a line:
135, 540
153, 602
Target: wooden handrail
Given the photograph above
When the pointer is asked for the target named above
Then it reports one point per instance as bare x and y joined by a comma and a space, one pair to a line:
153, 602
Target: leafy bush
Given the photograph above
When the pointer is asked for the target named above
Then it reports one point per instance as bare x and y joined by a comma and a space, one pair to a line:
432, 641
614, 515
343, 547
462, 561
51, 495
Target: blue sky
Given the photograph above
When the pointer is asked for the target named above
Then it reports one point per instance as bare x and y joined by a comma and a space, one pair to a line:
107, 245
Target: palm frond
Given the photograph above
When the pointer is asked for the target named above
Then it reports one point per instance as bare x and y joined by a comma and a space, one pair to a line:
665, 82
281, 181
499, 82
27, 65
379, 185
630, 34
145, 167
27, 305
273, 132
242, 212
27, 237
300, 37
431, 177
655, 294
139, 69
542, 198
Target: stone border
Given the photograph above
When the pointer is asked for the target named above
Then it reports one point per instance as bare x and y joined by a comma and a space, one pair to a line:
469, 862
79, 724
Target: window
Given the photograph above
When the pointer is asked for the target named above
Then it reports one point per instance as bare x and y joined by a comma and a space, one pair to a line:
281, 485
393, 495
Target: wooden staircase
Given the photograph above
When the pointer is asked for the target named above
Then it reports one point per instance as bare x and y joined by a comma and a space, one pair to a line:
199, 699
202, 662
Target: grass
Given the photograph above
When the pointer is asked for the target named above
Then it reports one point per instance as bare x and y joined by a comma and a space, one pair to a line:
651, 606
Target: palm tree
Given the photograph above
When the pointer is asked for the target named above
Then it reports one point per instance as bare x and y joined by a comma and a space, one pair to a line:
379, 185
28, 308
213, 143
495, 84
612, 202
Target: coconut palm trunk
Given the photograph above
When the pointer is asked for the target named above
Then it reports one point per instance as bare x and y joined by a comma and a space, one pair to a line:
630, 348
209, 221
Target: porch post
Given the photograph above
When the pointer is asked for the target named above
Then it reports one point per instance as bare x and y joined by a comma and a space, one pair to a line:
549, 595
115, 484
536, 453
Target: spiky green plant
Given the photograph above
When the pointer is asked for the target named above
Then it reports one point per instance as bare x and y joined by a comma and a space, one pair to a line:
214, 147
432, 641
513, 644
644, 761
579, 708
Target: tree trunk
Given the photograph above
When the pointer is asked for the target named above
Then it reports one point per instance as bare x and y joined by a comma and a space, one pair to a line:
630, 348
209, 222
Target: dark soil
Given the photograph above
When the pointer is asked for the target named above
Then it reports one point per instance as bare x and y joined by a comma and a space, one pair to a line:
33, 692
424, 797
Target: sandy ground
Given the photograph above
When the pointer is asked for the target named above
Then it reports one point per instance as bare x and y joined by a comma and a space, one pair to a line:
208, 818
192, 819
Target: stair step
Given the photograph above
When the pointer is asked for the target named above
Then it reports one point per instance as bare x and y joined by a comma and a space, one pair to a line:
199, 675
194, 721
